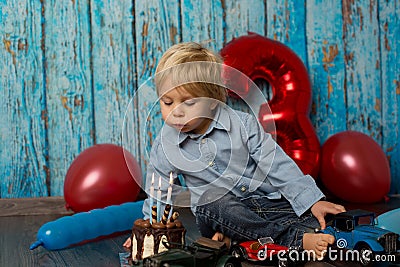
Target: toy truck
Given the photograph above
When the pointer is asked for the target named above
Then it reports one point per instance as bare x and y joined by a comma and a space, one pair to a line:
357, 230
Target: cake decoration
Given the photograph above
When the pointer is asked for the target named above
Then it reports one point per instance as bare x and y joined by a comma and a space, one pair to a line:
155, 235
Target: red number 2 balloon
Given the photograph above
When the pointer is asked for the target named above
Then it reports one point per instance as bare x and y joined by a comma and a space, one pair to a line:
261, 58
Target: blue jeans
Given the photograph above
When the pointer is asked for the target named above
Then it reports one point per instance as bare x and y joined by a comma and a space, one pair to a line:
221, 211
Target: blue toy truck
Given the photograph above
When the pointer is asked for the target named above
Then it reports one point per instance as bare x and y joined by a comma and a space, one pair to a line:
357, 230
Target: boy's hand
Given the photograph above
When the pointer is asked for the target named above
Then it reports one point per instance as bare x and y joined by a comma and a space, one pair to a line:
321, 208
222, 238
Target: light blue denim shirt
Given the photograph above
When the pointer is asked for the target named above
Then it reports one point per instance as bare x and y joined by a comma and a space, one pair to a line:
234, 153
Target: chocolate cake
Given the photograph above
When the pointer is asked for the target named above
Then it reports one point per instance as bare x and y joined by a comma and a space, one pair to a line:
148, 239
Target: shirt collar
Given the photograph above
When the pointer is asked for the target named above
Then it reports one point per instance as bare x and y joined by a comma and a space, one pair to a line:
221, 121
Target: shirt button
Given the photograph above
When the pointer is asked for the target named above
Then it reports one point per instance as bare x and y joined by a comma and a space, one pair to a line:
203, 141
243, 189
211, 163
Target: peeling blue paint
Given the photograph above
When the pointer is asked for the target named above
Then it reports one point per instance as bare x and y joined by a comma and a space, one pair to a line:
70, 68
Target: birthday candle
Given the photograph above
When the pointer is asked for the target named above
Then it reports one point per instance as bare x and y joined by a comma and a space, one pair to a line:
159, 200
151, 194
169, 193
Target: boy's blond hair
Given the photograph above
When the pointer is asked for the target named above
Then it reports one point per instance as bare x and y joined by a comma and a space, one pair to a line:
194, 68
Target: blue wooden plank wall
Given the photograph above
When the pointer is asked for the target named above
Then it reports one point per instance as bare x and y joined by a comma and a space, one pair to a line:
70, 68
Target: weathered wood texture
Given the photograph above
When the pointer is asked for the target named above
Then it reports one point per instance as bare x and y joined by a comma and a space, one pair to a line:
33, 206
326, 66
113, 57
389, 32
70, 69
23, 149
69, 96
18, 233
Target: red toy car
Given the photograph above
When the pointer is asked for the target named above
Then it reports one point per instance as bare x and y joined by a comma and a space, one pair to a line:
264, 249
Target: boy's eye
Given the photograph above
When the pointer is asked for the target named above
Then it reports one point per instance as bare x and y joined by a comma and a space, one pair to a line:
190, 102
167, 103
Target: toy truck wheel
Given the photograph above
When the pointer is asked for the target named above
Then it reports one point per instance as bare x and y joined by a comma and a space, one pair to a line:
283, 263
238, 253
228, 261
366, 254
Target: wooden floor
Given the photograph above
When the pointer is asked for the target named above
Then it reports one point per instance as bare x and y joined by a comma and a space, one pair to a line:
21, 218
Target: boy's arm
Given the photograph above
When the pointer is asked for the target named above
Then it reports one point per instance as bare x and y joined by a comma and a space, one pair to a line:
280, 171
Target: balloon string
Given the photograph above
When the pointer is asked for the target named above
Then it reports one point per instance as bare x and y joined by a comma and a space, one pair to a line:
35, 245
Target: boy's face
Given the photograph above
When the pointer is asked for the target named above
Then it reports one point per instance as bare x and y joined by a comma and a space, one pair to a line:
186, 113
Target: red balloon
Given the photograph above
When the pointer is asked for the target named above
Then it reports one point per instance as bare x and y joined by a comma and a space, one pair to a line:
261, 58
354, 168
101, 176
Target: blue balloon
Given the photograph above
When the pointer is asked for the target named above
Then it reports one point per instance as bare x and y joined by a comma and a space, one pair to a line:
70, 230
390, 221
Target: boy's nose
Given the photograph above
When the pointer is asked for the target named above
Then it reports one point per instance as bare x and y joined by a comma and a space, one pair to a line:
178, 111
